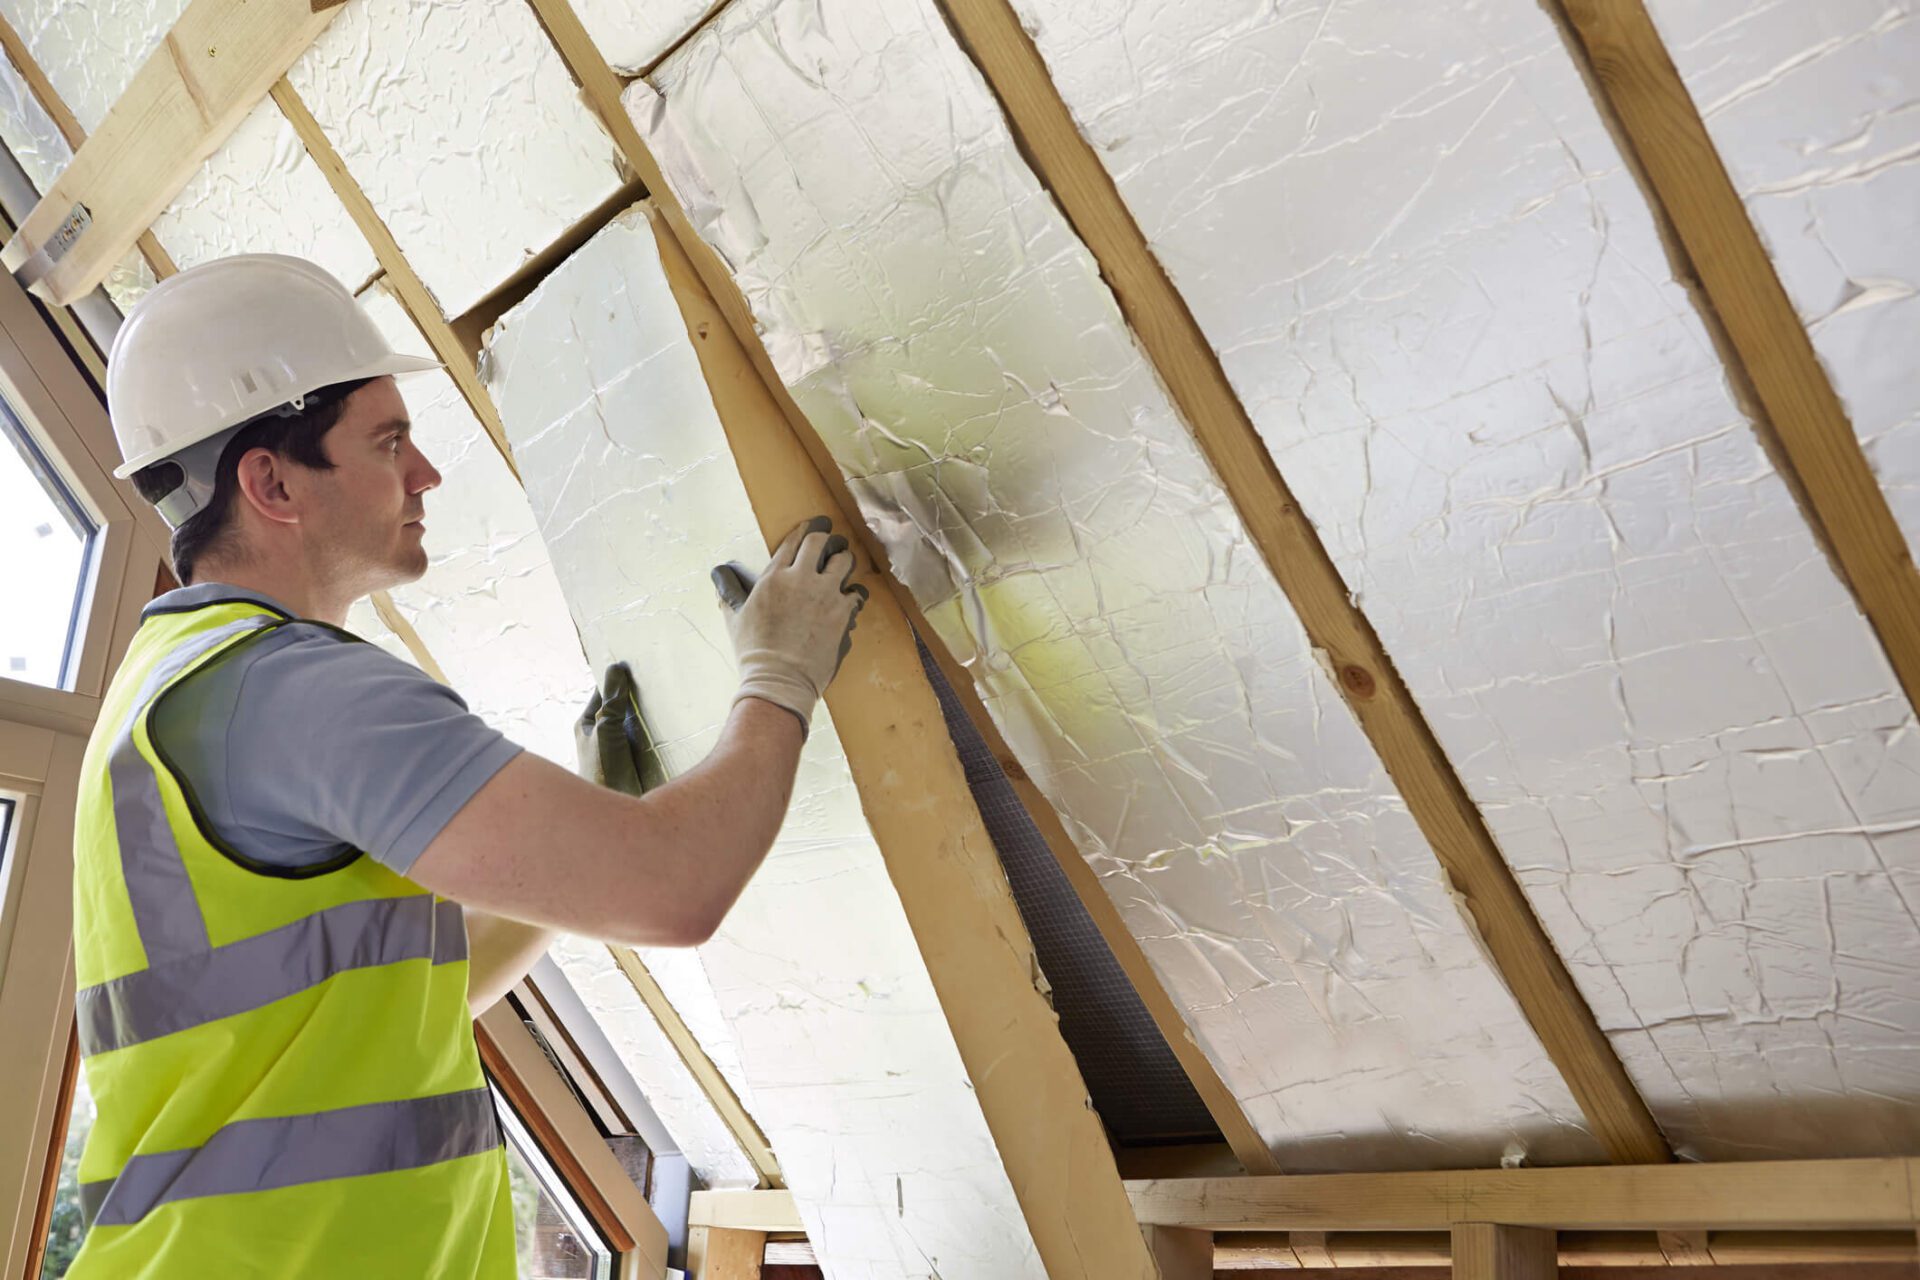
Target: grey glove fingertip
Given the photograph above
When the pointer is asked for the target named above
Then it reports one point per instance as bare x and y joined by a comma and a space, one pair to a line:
834, 546
730, 582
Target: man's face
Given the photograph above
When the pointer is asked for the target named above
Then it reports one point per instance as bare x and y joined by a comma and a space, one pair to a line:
368, 516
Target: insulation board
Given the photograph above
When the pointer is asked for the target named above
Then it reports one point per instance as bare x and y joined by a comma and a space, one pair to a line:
954, 346
1441, 297
1815, 110
489, 608
465, 130
632, 37
829, 1012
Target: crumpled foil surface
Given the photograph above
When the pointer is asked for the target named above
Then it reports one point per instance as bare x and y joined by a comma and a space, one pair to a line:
953, 345
812, 998
464, 128
1442, 298
1815, 110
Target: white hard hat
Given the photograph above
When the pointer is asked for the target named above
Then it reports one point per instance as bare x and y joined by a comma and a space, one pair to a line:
221, 344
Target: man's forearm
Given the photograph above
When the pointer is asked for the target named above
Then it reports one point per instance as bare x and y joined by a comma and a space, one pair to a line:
500, 952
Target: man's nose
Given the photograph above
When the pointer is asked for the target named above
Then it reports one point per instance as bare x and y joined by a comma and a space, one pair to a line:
423, 475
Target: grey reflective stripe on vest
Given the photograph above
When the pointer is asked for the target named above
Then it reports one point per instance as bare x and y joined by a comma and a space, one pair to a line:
289, 1151
164, 907
253, 972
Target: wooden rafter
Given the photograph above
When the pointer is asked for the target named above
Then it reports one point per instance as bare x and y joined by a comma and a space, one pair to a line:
401, 277
602, 88
1259, 1250
1689, 185
158, 259
745, 1130
1494, 1251
1781, 1195
943, 866
1372, 687
210, 70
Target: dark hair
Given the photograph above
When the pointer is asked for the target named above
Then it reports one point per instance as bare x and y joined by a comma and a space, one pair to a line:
299, 437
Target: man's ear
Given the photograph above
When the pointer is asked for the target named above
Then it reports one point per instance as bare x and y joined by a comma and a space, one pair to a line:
263, 476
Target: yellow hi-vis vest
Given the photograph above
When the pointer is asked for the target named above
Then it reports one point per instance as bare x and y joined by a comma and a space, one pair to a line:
282, 1062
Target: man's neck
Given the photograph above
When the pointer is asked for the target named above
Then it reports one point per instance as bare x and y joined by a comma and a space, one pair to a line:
303, 597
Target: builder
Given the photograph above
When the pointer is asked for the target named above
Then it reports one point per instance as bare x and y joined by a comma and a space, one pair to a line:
302, 866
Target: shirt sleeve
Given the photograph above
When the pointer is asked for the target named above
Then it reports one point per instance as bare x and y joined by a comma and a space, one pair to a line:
330, 742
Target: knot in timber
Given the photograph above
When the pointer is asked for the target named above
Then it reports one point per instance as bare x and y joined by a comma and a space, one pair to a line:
1357, 681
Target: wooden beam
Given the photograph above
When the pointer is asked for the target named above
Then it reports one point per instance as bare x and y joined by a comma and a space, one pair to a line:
1640, 87
211, 69
951, 885
159, 261
1785, 1195
1489, 1251
765, 1211
744, 1128
717, 1253
1274, 1250
401, 277
1386, 710
1180, 1253
601, 88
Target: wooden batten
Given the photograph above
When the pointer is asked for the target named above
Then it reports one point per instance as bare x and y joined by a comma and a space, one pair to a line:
212, 68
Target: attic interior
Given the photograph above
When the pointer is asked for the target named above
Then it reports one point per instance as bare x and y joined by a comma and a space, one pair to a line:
1383, 738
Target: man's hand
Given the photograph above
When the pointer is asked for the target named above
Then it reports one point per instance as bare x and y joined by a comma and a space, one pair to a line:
611, 737
793, 627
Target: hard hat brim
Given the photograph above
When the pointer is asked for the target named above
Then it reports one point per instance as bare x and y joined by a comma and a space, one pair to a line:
393, 365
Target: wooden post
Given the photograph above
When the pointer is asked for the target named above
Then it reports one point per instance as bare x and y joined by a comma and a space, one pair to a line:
1180, 1253
725, 1253
1485, 1251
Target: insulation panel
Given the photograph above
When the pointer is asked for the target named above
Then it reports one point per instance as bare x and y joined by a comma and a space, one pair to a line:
829, 1014
633, 37
954, 347
1815, 110
1442, 298
464, 129
489, 608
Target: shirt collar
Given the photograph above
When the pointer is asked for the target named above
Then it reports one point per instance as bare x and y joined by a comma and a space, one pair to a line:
202, 594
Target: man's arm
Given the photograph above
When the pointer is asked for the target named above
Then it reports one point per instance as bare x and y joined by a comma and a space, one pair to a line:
540, 846
500, 952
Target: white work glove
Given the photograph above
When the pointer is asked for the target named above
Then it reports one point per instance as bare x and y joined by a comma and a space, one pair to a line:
792, 628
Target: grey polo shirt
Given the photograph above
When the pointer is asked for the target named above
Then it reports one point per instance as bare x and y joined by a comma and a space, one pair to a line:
304, 744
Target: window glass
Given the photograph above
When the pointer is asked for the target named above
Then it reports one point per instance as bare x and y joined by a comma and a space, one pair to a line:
556, 1238
45, 538
64, 1227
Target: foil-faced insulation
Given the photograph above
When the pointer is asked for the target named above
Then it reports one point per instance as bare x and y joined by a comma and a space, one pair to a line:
830, 1020
259, 193
464, 128
489, 609
633, 37
1442, 298
1815, 109
954, 346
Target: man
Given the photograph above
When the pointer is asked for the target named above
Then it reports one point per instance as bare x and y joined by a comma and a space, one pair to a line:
301, 865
